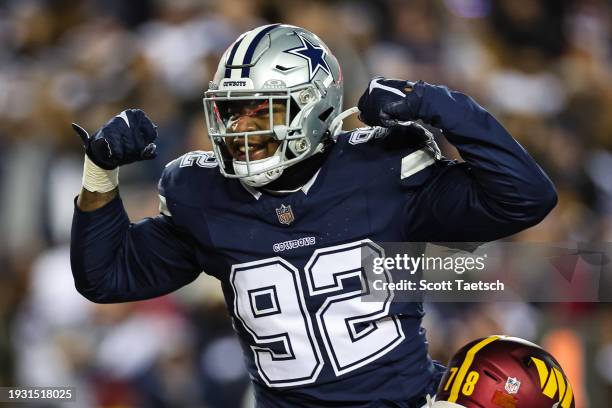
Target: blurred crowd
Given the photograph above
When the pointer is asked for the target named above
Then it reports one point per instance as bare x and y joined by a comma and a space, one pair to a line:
543, 67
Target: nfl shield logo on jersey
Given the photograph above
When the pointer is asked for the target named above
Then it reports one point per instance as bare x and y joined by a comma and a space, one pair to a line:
285, 214
512, 385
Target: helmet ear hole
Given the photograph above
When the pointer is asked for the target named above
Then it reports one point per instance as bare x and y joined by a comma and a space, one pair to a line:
492, 376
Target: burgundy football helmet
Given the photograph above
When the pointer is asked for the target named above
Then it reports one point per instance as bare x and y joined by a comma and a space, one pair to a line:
503, 372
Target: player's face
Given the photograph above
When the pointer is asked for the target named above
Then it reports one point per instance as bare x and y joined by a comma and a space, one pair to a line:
253, 116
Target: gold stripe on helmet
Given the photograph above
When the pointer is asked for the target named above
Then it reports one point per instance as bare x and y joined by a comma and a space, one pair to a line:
465, 366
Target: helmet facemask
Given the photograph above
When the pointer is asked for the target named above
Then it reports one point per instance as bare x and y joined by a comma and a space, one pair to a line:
274, 138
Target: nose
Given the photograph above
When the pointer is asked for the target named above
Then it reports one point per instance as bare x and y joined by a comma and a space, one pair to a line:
243, 124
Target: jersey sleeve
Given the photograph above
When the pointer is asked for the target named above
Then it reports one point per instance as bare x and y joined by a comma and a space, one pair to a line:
114, 260
498, 191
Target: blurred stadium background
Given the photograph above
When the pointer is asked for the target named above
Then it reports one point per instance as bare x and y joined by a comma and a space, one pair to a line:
541, 66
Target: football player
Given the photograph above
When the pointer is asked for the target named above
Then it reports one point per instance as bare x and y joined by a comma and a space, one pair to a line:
503, 372
282, 208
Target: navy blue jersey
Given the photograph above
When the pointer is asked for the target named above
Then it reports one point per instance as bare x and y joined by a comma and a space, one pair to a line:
289, 264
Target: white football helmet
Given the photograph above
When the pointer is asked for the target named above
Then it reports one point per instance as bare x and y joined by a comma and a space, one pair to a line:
288, 77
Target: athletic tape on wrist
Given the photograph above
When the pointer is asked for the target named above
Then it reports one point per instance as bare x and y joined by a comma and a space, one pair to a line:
98, 180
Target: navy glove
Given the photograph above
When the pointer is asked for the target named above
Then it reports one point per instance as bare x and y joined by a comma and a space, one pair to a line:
387, 102
126, 138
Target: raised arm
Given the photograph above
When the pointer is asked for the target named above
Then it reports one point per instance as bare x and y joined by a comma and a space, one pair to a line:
112, 259
499, 191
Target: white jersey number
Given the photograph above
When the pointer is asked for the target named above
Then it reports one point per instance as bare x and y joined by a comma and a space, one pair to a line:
269, 301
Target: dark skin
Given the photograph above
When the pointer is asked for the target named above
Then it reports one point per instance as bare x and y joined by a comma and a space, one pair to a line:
89, 201
248, 120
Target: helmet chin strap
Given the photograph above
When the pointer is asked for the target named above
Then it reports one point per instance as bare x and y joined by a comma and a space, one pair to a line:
258, 180
335, 126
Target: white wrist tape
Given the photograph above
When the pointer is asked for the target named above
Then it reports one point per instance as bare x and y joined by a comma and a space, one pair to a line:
96, 179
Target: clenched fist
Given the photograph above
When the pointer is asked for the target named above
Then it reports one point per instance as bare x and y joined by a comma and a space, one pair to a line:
126, 138
388, 101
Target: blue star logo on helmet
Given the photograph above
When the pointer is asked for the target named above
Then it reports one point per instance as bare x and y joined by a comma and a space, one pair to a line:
313, 54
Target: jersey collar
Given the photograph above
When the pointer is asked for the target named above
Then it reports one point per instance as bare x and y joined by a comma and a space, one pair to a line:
305, 188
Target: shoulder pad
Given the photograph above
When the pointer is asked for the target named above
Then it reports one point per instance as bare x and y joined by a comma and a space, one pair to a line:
407, 135
199, 158
186, 174
366, 134
406, 153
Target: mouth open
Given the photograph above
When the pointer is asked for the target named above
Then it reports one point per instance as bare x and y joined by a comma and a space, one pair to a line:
258, 149
255, 152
